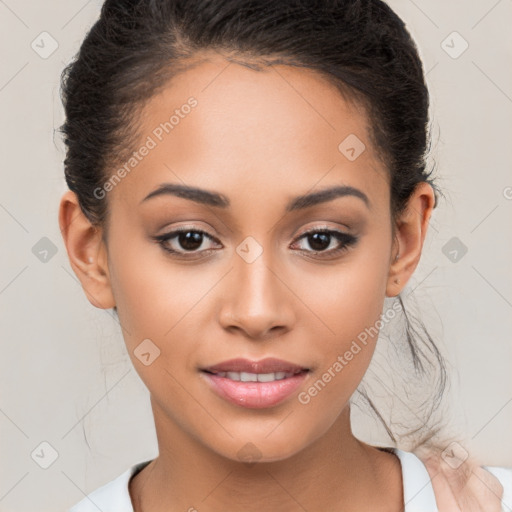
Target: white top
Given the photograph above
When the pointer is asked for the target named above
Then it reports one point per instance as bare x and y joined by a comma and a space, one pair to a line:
418, 491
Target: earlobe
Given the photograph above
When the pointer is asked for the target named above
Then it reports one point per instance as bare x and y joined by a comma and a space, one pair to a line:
394, 282
410, 232
86, 252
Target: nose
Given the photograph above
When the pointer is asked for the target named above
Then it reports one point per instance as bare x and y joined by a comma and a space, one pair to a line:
256, 300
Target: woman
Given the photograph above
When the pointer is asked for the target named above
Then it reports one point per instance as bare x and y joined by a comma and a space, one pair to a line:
247, 186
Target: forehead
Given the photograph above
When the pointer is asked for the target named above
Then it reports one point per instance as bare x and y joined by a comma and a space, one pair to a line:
224, 126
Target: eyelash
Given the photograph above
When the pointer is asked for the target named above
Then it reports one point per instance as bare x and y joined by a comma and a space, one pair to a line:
345, 239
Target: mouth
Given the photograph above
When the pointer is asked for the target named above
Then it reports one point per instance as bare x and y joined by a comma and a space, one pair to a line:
255, 384
255, 377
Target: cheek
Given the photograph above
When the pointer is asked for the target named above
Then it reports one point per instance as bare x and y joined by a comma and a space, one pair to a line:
153, 294
347, 298
158, 302
347, 303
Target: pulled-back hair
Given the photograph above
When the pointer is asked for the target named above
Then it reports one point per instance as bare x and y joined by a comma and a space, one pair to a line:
361, 46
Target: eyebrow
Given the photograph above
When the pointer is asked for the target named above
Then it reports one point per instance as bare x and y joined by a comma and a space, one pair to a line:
215, 199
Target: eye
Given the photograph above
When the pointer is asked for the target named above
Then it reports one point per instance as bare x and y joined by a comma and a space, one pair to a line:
190, 242
184, 241
327, 241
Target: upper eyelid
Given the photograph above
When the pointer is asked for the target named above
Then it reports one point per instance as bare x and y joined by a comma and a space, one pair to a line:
203, 231
338, 234
174, 232
186, 229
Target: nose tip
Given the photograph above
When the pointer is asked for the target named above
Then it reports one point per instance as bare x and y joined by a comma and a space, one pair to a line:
255, 301
254, 331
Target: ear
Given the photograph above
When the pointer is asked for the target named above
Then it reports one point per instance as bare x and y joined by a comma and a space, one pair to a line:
86, 251
410, 231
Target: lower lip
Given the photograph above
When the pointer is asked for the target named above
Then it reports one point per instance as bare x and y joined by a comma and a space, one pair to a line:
255, 395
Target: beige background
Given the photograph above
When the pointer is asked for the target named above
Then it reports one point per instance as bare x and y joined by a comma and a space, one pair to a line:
65, 377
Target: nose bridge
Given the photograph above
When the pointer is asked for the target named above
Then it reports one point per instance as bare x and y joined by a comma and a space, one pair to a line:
257, 300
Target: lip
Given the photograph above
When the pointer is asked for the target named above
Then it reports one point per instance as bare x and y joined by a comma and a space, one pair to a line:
255, 395
267, 365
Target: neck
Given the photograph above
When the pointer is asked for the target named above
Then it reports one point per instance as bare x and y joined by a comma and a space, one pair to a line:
336, 472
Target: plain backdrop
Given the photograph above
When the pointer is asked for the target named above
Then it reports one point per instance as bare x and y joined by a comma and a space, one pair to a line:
70, 398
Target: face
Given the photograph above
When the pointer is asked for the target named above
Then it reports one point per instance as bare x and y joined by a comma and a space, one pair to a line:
256, 272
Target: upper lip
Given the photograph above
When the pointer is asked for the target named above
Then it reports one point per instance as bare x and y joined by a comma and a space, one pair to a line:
267, 365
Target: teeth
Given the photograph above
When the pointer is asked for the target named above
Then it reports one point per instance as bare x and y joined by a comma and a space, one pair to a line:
267, 377
248, 377
255, 377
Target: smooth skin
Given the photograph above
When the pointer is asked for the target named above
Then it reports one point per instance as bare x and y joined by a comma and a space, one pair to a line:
259, 138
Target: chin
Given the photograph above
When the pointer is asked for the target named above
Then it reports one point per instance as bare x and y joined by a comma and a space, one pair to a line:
253, 449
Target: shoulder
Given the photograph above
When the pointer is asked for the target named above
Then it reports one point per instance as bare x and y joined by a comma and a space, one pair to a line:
432, 484
504, 476
416, 481
114, 495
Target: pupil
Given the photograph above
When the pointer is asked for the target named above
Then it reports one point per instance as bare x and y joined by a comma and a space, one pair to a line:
320, 241
190, 240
